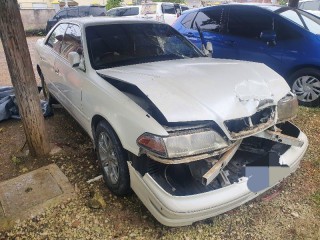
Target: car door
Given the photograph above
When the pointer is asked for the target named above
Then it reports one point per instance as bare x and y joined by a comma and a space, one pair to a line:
211, 21
293, 29
48, 55
71, 78
244, 27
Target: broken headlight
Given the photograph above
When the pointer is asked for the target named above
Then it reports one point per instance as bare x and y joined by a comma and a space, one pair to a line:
182, 144
287, 107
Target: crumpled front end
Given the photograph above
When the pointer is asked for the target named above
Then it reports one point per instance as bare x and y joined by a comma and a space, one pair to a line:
227, 139
181, 193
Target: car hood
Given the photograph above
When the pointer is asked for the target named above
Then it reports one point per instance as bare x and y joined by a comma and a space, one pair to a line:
203, 88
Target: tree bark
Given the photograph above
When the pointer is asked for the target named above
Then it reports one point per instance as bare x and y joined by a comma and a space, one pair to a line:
22, 77
293, 3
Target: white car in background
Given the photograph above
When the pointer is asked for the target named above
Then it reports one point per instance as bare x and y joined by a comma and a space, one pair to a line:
164, 12
310, 6
192, 136
128, 11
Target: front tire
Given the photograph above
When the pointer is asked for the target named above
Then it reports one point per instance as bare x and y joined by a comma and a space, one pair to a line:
113, 159
45, 91
306, 85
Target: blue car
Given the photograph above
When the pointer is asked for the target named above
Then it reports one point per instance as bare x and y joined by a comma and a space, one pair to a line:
285, 39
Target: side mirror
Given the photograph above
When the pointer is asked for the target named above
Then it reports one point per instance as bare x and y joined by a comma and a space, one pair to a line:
59, 38
269, 37
74, 59
208, 49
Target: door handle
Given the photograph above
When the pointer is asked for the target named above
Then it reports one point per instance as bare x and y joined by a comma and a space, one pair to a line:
189, 34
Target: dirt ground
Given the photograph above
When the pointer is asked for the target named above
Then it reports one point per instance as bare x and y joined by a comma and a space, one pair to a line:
289, 211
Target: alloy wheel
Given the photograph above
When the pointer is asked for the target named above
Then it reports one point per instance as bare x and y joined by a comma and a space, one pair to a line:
307, 88
108, 157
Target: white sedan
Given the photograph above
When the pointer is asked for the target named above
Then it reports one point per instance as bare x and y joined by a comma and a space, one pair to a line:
192, 136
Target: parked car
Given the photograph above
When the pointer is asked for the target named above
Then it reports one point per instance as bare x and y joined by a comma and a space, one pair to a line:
162, 11
73, 12
310, 6
182, 130
287, 40
128, 11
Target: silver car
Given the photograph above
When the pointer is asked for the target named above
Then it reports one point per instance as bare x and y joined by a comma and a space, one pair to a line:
192, 136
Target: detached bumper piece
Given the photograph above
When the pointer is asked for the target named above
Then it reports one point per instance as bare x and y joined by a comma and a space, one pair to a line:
181, 194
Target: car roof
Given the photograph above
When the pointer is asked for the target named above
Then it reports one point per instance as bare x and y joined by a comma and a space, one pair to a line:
124, 7
82, 6
302, 1
150, 3
89, 21
269, 7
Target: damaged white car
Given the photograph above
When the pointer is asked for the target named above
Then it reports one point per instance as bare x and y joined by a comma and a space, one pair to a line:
192, 136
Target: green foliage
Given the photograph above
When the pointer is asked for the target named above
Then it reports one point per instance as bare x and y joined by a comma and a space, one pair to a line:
112, 4
316, 198
282, 2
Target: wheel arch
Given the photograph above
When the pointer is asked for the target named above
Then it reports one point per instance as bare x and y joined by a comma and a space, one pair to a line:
298, 68
94, 123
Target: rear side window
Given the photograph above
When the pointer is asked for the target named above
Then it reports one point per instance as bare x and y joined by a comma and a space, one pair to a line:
61, 15
209, 20
184, 8
128, 11
112, 12
56, 37
83, 11
168, 9
311, 22
71, 41
188, 20
292, 16
73, 12
303, 19
248, 23
133, 11
311, 6
97, 11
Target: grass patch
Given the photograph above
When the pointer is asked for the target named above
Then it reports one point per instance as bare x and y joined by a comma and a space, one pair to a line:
316, 198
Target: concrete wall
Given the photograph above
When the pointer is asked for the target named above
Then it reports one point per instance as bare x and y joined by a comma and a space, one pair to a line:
34, 19
29, 4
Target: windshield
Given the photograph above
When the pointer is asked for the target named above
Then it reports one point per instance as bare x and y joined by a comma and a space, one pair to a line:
125, 44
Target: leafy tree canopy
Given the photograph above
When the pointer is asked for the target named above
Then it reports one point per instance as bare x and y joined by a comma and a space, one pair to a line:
112, 4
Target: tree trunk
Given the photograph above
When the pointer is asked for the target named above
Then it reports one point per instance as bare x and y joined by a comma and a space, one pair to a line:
293, 3
22, 76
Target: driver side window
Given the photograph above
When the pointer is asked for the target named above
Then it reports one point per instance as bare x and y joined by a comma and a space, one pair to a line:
56, 37
210, 20
71, 41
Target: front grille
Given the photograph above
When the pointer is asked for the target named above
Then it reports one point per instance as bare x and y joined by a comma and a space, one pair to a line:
242, 127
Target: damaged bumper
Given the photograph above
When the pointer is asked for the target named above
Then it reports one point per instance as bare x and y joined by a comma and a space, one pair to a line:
179, 210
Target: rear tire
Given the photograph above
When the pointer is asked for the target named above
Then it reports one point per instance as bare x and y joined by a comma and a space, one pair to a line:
305, 83
113, 159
